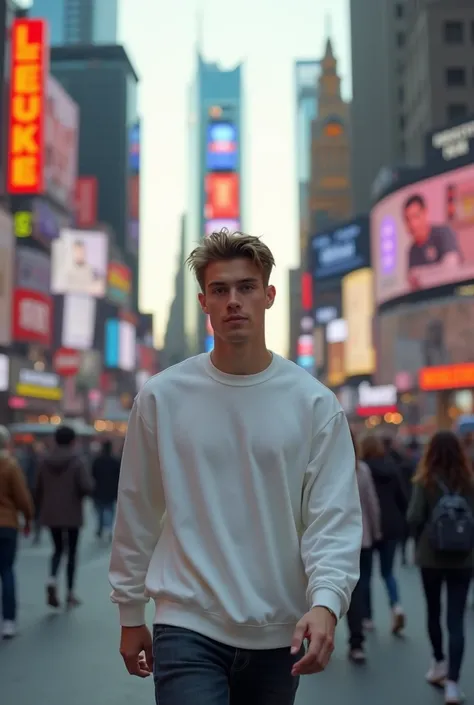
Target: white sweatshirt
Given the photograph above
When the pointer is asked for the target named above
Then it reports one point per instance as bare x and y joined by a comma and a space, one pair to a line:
238, 506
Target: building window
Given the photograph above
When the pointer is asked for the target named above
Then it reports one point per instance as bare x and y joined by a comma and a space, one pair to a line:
456, 76
402, 122
400, 39
399, 10
453, 32
401, 95
457, 111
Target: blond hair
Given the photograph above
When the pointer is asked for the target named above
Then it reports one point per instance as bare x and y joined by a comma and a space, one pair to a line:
224, 245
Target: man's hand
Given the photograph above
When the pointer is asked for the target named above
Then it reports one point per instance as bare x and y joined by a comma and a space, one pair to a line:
136, 649
317, 626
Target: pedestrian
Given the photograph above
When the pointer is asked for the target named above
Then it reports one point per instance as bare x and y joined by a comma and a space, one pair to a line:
105, 471
441, 515
248, 462
15, 499
371, 534
393, 506
63, 483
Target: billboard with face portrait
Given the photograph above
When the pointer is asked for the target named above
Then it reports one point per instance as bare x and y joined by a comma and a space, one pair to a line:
80, 263
422, 235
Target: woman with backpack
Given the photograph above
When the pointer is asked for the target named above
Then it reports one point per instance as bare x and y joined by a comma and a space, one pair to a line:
441, 516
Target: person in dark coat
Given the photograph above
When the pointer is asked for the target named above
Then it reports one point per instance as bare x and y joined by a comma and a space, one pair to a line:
393, 506
62, 485
105, 471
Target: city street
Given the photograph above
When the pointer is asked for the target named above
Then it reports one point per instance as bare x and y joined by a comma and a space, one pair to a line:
73, 658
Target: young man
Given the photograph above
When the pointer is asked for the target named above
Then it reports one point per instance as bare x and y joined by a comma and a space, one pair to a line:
238, 509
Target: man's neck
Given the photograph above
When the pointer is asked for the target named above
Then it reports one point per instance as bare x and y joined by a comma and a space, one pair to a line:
246, 359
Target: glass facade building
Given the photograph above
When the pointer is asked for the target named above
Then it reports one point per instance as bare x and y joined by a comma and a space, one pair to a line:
214, 195
79, 21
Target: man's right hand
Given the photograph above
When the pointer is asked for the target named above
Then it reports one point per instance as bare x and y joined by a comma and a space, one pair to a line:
136, 649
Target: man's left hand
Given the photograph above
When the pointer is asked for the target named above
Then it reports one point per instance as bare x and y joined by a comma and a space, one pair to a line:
318, 627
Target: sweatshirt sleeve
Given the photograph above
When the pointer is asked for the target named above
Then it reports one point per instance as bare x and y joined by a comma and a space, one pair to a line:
332, 518
140, 509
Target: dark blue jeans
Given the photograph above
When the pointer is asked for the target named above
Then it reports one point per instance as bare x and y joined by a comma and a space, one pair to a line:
8, 542
457, 587
191, 669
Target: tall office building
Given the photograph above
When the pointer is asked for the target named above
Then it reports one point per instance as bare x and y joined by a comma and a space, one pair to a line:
438, 77
104, 84
330, 185
215, 167
79, 21
378, 33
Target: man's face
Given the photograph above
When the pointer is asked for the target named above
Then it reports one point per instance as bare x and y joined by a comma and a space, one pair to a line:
79, 254
416, 219
235, 298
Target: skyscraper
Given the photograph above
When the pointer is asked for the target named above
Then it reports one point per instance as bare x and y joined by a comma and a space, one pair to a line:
79, 21
331, 188
215, 167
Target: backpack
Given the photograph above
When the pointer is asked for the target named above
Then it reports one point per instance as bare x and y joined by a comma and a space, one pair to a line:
451, 526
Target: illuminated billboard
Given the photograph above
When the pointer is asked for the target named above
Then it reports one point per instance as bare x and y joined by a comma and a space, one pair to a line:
29, 72
358, 311
61, 144
215, 226
340, 250
79, 263
423, 235
222, 196
222, 152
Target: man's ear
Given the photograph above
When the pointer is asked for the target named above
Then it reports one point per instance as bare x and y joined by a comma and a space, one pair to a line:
271, 293
202, 302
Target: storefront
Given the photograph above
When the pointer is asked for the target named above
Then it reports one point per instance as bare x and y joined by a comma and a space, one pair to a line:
34, 394
453, 389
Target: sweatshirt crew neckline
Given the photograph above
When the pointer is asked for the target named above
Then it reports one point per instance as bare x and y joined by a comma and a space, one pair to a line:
240, 380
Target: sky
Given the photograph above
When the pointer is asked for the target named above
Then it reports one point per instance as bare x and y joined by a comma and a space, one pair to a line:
268, 37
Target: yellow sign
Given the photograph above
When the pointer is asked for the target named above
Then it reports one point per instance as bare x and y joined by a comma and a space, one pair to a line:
358, 311
37, 392
23, 224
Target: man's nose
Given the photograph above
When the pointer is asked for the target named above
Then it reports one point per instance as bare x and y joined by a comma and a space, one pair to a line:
234, 300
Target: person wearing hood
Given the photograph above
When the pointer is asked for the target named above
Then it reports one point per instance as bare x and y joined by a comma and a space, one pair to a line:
62, 485
393, 507
15, 499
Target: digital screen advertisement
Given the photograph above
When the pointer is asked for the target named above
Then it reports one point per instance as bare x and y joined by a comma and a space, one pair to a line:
61, 144
215, 226
419, 336
423, 235
120, 345
222, 193
119, 283
79, 313
79, 263
33, 270
358, 312
32, 317
340, 250
86, 202
222, 154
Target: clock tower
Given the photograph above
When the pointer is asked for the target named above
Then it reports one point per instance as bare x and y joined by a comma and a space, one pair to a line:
330, 189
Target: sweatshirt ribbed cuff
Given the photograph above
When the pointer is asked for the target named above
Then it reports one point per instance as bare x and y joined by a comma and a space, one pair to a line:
323, 597
132, 615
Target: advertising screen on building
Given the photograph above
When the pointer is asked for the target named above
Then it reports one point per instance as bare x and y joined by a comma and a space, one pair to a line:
86, 201
222, 153
7, 245
335, 252
29, 71
32, 317
79, 315
358, 311
222, 193
80, 263
119, 283
423, 235
61, 142
33, 270
424, 335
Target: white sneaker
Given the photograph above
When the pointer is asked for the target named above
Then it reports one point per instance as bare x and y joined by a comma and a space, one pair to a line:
453, 694
9, 629
398, 619
437, 673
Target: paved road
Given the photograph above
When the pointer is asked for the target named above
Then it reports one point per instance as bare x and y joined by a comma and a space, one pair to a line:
72, 657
